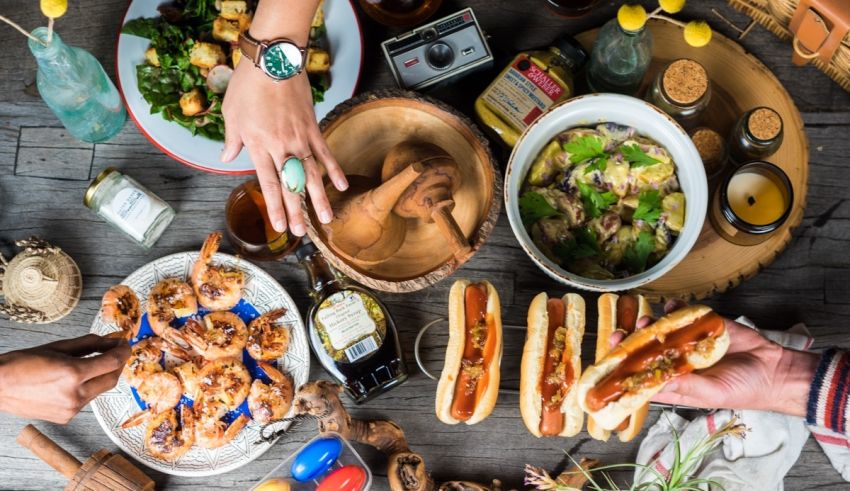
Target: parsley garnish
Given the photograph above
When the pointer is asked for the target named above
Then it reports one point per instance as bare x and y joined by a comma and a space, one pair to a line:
637, 254
533, 206
649, 207
597, 163
594, 201
637, 157
585, 147
584, 245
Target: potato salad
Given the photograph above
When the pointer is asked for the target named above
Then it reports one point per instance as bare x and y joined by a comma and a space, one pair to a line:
603, 202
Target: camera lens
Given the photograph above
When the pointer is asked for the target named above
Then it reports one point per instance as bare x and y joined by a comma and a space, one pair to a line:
429, 34
440, 55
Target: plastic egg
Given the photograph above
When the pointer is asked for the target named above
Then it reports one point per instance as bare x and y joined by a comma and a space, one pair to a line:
315, 459
347, 478
274, 485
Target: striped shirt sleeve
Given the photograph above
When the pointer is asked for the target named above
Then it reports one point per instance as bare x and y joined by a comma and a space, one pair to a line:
828, 405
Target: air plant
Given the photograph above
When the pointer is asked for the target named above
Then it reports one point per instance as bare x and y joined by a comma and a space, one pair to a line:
681, 476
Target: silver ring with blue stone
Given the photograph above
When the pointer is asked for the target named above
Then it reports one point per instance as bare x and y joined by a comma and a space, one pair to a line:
292, 174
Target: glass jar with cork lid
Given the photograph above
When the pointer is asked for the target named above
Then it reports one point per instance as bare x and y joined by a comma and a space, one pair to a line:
756, 136
682, 90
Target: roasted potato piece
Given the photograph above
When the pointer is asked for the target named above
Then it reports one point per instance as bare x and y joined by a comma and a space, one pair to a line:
151, 57
319, 17
245, 21
235, 56
606, 226
546, 167
568, 204
231, 9
617, 176
192, 102
673, 206
555, 230
226, 30
318, 61
616, 247
206, 55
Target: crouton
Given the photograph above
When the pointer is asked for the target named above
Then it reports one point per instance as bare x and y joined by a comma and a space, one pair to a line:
318, 61
192, 102
245, 21
151, 57
231, 9
226, 30
235, 56
206, 55
319, 17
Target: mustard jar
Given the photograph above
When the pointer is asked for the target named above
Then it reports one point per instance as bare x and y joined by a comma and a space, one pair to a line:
530, 85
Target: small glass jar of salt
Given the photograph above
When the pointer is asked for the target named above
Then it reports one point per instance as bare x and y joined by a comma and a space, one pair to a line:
128, 206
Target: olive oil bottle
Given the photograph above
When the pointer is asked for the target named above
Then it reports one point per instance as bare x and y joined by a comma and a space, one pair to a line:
351, 331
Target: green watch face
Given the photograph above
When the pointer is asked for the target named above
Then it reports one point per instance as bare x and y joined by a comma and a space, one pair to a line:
282, 60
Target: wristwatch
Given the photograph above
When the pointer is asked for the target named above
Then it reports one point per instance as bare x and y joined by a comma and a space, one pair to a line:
280, 58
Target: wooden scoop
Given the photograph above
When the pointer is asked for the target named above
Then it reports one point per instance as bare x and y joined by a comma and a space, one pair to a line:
429, 198
103, 471
364, 225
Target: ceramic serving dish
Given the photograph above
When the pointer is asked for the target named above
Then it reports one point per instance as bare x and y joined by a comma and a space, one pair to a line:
649, 121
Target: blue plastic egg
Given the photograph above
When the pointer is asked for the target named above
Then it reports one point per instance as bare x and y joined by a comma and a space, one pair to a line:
315, 459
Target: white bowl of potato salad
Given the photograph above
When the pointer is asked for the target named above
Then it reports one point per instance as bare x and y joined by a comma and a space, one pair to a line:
605, 192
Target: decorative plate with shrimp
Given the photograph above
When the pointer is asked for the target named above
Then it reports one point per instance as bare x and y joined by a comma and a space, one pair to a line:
218, 348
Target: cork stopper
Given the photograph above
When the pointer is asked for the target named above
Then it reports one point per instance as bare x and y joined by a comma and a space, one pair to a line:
711, 148
684, 81
41, 284
764, 124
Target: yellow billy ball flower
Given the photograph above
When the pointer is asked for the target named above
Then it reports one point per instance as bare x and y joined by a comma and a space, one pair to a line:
631, 17
54, 8
671, 6
697, 33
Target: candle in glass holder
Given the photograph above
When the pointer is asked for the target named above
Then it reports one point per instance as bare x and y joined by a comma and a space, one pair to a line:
752, 203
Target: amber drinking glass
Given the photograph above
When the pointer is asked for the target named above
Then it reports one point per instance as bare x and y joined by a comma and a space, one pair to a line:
571, 8
248, 227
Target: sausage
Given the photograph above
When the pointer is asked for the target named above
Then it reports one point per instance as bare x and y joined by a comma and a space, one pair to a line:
478, 330
554, 385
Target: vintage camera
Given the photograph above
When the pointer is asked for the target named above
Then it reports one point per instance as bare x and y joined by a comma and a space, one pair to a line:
433, 53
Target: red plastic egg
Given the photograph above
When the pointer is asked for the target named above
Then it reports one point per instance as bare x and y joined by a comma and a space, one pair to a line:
346, 478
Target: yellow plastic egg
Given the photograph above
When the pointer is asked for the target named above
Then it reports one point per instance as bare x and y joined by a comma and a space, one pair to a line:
54, 8
274, 485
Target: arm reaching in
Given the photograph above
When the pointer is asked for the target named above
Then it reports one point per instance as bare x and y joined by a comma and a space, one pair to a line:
53, 381
275, 120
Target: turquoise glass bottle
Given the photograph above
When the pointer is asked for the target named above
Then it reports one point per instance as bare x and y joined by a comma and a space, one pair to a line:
619, 59
75, 87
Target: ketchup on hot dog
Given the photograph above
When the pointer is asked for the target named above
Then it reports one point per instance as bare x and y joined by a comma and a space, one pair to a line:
476, 350
656, 361
557, 376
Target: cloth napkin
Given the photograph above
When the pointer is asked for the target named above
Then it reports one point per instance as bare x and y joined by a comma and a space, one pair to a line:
757, 462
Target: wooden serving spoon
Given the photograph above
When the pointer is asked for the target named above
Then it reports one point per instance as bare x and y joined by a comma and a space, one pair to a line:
429, 198
364, 227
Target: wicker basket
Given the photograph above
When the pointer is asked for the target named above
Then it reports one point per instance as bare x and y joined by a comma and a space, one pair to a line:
789, 19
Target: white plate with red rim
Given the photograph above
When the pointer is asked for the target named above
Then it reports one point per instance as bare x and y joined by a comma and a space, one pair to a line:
346, 47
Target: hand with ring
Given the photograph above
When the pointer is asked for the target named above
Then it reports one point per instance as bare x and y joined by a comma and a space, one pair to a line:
275, 122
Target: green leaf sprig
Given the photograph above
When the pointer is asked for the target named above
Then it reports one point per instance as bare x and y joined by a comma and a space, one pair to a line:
649, 207
637, 157
585, 147
534, 207
637, 254
594, 201
583, 245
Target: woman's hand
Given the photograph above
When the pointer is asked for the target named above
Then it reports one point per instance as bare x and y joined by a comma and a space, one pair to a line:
54, 382
755, 373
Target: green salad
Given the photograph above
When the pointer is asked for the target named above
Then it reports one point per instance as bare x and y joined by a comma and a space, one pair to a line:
603, 202
192, 54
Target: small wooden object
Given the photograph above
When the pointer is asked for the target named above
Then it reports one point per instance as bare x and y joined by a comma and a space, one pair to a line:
739, 82
104, 471
364, 227
429, 198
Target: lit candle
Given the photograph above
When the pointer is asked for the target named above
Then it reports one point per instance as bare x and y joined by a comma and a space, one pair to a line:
751, 203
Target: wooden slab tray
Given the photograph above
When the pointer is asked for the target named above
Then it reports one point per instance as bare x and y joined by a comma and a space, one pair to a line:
360, 132
738, 82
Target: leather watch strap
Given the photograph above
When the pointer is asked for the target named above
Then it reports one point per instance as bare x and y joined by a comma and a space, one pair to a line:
250, 47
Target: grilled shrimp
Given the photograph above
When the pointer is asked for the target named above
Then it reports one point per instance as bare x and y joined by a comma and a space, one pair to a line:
222, 335
224, 381
211, 431
120, 306
164, 440
169, 299
266, 340
187, 373
146, 359
161, 391
217, 287
270, 402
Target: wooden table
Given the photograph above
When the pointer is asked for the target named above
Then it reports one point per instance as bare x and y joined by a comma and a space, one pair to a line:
43, 174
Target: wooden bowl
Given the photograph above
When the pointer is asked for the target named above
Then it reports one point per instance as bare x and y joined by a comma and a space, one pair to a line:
360, 132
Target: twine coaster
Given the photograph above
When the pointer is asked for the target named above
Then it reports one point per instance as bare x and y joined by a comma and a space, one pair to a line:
42, 284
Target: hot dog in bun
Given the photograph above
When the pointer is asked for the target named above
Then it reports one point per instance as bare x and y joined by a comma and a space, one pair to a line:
551, 366
469, 383
688, 339
619, 313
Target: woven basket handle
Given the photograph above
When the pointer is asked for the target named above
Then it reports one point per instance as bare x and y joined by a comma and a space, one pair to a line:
819, 26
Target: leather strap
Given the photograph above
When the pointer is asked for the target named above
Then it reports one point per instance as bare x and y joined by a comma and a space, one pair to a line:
250, 48
819, 26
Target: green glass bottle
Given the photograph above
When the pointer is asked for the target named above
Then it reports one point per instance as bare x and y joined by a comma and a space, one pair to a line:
620, 59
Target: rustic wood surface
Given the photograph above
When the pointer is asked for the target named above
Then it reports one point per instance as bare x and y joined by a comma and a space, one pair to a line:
43, 174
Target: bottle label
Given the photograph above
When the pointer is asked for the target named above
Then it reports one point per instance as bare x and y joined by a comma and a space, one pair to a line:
350, 324
522, 92
131, 209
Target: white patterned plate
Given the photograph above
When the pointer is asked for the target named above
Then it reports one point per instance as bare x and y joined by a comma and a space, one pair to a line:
113, 407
